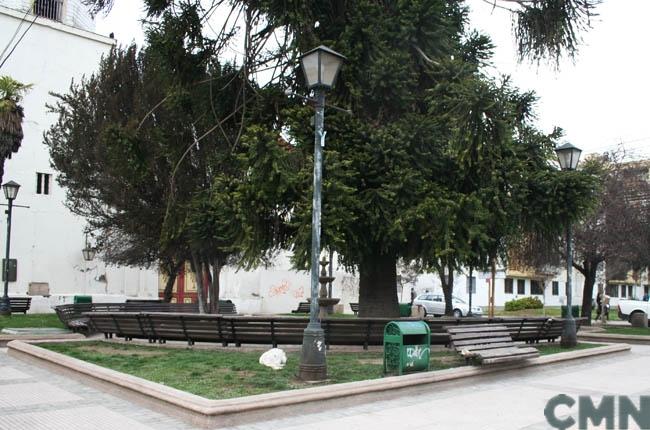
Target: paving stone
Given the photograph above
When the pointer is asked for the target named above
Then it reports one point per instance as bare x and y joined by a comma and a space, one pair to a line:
33, 393
95, 418
8, 373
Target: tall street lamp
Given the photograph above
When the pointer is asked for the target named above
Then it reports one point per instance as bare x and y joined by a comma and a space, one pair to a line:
568, 157
321, 67
11, 191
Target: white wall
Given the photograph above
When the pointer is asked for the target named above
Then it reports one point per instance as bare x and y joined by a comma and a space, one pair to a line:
74, 14
279, 289
46, 238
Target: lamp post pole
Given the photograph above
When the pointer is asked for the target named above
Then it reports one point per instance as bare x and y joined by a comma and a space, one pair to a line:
320, 66
5, 306
312, 361
568, 158
569, 335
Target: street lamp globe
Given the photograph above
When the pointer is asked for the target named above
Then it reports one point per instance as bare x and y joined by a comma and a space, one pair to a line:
568, 156
11, 190
321, 67
88, 253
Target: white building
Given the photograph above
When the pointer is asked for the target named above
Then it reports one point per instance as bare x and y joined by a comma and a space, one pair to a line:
47, 239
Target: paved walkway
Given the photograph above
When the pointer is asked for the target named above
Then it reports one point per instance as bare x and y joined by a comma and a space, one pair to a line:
514, 400
33, 398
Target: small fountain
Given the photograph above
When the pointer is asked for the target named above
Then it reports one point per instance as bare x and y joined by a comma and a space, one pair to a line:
325, 303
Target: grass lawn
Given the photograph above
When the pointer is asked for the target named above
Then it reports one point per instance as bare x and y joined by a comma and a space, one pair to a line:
30, 320
222, 374
549, 311
637, 331
554, 348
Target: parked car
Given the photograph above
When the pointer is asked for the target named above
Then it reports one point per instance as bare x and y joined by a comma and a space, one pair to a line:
434, 304
628, 307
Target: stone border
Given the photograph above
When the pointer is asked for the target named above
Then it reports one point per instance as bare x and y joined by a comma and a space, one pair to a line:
6, 338
221, 413
616, 338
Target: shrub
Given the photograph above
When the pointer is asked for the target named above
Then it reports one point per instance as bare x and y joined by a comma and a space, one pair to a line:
524, 303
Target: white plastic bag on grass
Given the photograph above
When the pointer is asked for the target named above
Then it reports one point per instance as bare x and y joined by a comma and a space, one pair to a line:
274, 358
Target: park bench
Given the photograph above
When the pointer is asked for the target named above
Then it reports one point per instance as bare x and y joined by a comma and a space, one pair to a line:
303, 308
488, 344
231, 329
72, 317
354, 307
20, 304
227, 307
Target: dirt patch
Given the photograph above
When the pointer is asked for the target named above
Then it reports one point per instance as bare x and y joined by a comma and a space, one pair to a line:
114, 351
371, 361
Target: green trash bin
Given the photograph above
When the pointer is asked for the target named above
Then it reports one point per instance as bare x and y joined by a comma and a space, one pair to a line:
82, 299
407, 346
574, 308
405, 309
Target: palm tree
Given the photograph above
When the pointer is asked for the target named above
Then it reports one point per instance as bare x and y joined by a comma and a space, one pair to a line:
11, 118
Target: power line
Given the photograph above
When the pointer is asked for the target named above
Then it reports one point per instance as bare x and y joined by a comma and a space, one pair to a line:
18, 42
20, 24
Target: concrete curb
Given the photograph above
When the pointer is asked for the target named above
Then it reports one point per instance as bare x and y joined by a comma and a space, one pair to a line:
615, 338
205, 412
6, 338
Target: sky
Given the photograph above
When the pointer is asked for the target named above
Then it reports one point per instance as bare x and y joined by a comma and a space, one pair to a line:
600, 99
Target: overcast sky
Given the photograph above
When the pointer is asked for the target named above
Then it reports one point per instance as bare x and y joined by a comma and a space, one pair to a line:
600, 101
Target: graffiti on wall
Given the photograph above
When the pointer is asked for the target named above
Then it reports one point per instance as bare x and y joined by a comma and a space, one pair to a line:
280, 290
285, 289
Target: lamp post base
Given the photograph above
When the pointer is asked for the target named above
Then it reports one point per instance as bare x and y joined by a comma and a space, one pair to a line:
5, 306
313, 366
569, 336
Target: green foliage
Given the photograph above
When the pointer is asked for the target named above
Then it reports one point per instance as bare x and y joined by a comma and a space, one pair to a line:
524, 303
547, 29
11, 117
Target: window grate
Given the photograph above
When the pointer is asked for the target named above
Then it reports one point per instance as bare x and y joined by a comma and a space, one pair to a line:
50, 9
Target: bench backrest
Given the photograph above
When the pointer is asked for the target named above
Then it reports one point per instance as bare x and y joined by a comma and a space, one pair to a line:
20, 304
479, 337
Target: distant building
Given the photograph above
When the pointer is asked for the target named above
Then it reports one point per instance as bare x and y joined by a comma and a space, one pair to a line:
47, 238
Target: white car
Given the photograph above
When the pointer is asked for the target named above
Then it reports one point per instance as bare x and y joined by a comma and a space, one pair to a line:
434, 304
626, 308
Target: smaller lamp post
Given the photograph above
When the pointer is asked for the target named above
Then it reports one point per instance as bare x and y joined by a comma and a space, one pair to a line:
11, 191
568, 156
88, 252
321, 67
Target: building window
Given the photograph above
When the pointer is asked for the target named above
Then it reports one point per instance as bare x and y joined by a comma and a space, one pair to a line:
50, 9
556, 288
630, 291
43, 183
646, 289
508, 286
612, 290
471, 280
536, 288
521, 286
623, 291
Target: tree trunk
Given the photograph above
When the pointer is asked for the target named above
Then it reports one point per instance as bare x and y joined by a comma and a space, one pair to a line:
493, 287
172, 274
197, 268
589, 272
378, 287
447, 279
215, 286
169, 288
